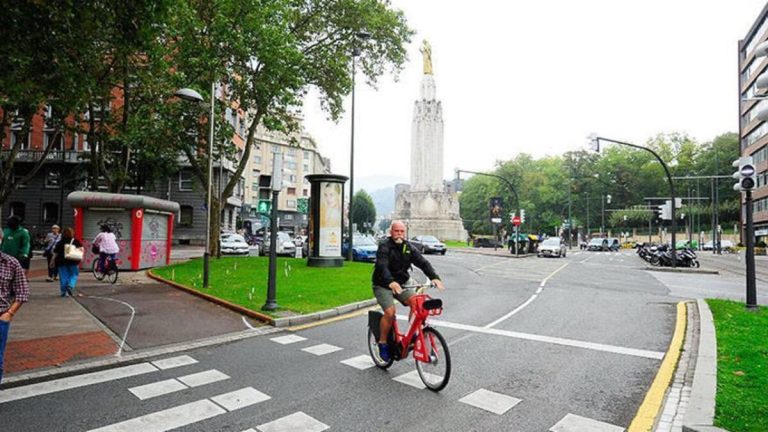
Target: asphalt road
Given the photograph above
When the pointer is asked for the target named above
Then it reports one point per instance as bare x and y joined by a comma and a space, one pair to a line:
557, 341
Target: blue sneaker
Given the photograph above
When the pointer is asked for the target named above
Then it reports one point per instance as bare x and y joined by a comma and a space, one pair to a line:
384, 352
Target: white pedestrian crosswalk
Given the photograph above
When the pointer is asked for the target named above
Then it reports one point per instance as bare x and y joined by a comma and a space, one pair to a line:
185, 414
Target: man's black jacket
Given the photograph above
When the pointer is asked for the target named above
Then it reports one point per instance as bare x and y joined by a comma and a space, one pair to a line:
394, 260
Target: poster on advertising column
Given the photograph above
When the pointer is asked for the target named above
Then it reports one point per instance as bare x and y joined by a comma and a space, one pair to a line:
330, 219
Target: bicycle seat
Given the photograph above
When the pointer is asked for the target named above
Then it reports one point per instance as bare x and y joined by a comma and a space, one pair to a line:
433, 304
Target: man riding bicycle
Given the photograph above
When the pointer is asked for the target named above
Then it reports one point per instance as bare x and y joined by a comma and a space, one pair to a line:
393, 261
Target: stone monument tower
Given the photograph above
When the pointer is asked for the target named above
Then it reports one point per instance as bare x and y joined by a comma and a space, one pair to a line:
426, 205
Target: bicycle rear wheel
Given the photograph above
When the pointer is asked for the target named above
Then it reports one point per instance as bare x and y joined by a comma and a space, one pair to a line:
373, 349
437, 371
112, 272
95, 269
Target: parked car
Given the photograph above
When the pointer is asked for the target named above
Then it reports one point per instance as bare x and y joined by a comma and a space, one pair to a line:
363, 248
553, 246
724, 244
486, 242
233, 244
428, 244
285, 245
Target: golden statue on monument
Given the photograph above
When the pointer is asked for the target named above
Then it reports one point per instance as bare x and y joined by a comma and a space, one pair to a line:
426, 52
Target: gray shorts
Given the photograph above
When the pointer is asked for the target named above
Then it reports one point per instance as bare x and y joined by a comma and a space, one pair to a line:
386, 298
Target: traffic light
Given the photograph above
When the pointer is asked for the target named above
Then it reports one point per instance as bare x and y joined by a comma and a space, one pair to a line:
608, 198
265, 206
522, 216
666, 210
745, 174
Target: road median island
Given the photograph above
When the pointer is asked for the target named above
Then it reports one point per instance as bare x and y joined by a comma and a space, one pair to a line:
682, 270
303, 293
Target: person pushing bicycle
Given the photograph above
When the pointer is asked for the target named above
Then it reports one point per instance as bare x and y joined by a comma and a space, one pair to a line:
393, 262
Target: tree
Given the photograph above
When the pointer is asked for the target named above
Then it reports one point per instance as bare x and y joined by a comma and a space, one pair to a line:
363, 212
265, 55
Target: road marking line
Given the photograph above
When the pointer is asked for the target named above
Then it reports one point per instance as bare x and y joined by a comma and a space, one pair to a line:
203, 378
412, 379
548, 339
321, 349
73, 382
285, 340
646, 414
130, 321
168, 419
173, 362
240, 398
155, 389
361, 362
298, 422
574, 423
496, 403
182, 415
530, 300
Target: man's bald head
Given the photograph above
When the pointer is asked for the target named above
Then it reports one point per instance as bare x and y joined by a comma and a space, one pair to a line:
397, 231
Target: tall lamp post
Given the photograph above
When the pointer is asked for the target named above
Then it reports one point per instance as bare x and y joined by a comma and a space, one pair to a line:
193, 96
355, 55
595, 143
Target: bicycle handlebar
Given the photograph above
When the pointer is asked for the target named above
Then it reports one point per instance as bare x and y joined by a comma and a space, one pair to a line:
424, 285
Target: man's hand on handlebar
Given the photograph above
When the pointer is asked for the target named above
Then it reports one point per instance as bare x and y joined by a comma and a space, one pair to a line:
395, 287
439, 284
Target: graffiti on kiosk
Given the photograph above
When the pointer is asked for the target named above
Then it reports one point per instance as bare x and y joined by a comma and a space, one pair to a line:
113, 224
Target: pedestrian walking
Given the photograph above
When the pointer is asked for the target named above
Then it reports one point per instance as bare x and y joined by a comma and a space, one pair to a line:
66, 260
106, 242
14, 290
50, 241
16, 242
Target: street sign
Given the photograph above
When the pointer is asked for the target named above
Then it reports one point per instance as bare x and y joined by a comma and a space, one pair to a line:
516, 221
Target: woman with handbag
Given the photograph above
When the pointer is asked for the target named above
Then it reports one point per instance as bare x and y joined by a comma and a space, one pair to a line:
67, 255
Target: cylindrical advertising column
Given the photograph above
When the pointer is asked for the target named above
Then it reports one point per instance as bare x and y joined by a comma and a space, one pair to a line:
326, 220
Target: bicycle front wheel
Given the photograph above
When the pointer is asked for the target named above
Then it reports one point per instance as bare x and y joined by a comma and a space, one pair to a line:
95, 269
436, 372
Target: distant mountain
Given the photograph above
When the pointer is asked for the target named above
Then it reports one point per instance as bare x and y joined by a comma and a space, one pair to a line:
376, 182
384, 200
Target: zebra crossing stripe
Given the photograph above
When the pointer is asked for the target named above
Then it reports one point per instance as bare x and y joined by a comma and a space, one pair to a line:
74, 382
574, 423
183, 415
203, 378
173, 362
155, 389
296, 422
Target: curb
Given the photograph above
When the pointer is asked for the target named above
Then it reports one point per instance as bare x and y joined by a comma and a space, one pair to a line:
701, 409
473, 251
17, 380
275, 322
682, 270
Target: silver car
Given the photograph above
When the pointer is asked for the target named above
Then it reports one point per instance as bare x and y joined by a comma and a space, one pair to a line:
552, 246
234, 244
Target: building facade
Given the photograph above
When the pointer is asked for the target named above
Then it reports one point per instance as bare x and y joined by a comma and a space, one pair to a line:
753, 133
41, 202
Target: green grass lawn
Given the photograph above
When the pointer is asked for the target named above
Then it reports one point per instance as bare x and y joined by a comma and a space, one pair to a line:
301, 289
455, 244
742, 366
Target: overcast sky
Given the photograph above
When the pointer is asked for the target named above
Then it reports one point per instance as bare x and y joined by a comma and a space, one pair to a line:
538, 77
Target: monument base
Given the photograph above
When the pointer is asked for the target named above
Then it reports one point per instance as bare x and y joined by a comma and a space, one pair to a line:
443, 229
325, 262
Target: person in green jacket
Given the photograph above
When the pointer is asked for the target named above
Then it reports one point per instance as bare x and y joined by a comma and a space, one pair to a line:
16, 242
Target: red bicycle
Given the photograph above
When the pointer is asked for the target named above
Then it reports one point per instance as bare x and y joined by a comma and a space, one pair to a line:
430, 351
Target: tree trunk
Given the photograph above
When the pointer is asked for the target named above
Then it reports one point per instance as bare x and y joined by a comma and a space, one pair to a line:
215, 225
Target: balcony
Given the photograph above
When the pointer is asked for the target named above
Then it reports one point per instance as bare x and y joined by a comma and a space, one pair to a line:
52, 156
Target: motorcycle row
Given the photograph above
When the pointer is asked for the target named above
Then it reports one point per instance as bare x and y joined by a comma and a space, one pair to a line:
661, 256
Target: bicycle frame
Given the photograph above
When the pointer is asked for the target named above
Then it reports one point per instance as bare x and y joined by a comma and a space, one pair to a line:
418, 320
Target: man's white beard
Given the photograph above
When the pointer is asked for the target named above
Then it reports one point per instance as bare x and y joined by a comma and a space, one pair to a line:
398, 241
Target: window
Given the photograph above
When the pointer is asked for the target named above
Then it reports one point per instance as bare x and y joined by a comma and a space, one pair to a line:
16, 136
290, 203
18, 174
291, 191
18, 209
52, 178
53, 138
306, 155
305, 192
185, 180
50, 213
257, 159
186, 214
306, 168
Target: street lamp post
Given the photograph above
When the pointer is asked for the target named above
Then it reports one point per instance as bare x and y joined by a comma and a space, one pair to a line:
193, 96
595, 141
355, 54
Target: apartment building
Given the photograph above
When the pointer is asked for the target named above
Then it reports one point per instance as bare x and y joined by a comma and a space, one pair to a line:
753, 133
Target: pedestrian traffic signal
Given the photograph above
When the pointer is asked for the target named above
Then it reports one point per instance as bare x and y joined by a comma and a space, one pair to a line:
608, 198
666, 210
522, 216
265, 206
745, 174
